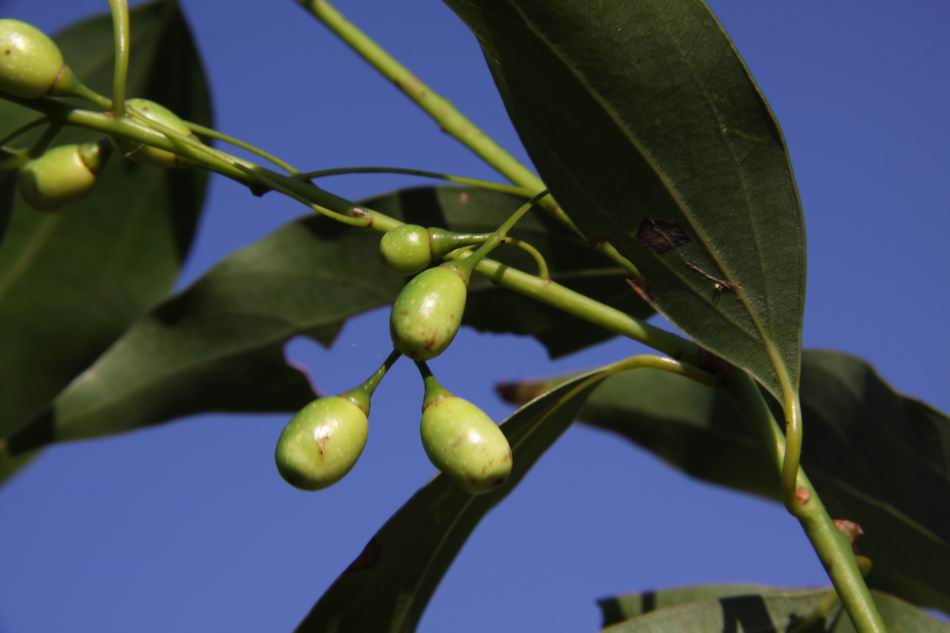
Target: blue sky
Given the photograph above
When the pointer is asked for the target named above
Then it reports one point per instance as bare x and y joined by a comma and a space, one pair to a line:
188, 527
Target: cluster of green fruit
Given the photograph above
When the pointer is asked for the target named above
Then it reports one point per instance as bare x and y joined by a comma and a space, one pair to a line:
324, 440
32, 66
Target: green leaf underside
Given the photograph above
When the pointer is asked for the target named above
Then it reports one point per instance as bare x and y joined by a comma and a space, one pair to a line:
71, 283
646, 126
877, 458
751, 609
218, 346
389, 584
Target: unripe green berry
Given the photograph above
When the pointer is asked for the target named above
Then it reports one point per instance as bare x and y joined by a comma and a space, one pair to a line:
146, 154
428, 312
30, 61
407, 248
322, 442
465, 444
61, 176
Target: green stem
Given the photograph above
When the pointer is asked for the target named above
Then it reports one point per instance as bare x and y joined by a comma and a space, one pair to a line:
661, 363
208, 132
535, 254
462, 180
448, 117
500, 233
361, 221
23, 129
832, 547
44, 141
362, 396
120, 30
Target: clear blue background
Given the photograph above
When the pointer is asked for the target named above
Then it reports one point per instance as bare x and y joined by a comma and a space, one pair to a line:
188, 527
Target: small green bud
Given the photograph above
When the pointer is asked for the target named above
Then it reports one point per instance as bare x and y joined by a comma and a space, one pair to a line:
409, 248
30, 61
428, 312
463, 442
322, 442
406, 248
145, 154
61, 176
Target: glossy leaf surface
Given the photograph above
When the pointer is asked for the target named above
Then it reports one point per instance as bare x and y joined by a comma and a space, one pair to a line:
747, 608
218, 346
648, 129
389, 584
877, 457
72, 282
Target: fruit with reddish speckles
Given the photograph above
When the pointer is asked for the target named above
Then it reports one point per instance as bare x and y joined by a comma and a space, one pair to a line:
465, 444
61, 176
428, 312
322, 442
461, 441
30, 62
146, 154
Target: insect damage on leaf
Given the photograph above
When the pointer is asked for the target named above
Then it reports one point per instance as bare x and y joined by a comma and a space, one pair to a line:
661, 236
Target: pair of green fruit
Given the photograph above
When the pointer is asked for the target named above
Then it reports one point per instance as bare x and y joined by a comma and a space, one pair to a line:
32, 66
324, 440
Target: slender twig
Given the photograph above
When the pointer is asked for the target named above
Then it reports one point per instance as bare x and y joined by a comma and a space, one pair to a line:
462, 180
499, 234
208, 132
23, 129
45, 139
832, 546
361, 221
543, 271
447, 116
120, 30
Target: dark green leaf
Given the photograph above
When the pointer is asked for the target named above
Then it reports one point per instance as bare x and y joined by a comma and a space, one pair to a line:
649, 131
750, 609
219, 345
71, 283
618, 609
389, 584
7, 191
877, 458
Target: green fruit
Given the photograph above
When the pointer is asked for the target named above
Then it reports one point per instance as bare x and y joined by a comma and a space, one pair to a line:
322, 442
428, 312
30, 62
464, 443
152, 155
61, 176
407, 248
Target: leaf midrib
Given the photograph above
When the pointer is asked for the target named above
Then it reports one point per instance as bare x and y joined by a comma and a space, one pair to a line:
781, 370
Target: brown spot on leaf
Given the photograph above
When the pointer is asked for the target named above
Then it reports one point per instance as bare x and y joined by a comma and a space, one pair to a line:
7, 51
660, 236
463, 197
367, 558
519, 392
